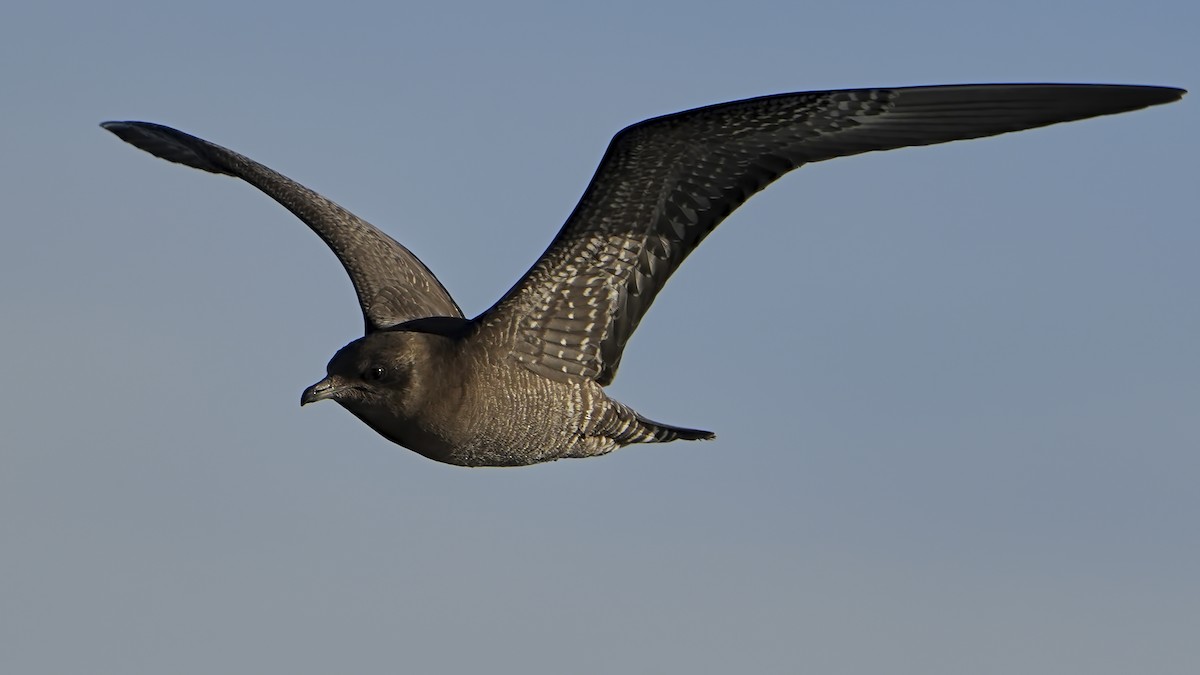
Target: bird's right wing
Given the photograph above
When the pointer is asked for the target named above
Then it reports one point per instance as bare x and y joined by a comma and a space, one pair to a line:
665, 183
393, 286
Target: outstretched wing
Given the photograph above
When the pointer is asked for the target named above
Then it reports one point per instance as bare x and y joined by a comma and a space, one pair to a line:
393, 286
665, 183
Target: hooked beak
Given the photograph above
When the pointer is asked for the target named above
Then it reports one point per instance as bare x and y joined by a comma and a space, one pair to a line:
326, 388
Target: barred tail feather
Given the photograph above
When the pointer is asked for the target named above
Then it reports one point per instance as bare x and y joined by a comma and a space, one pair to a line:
658, 432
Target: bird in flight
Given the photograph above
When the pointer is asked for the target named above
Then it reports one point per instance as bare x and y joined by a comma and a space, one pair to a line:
522, 383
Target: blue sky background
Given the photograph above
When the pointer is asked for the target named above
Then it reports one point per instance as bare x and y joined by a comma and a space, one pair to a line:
955, 388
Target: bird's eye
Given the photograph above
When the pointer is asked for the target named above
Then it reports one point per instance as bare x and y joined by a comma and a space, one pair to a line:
374, 373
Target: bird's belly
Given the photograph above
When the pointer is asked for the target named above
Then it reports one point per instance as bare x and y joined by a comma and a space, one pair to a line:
535, 420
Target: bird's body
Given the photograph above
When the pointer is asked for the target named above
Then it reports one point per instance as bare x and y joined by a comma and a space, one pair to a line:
523, 382
441, 372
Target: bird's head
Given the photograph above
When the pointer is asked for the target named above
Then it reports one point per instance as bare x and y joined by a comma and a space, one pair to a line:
380, 375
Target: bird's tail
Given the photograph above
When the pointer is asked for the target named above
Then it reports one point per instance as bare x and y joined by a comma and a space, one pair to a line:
624, 425
649, 431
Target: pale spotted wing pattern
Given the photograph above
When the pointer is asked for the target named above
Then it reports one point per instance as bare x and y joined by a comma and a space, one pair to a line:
393, 286
665, 183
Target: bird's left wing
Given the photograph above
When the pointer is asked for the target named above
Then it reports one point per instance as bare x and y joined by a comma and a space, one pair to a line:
665, 183
392, 284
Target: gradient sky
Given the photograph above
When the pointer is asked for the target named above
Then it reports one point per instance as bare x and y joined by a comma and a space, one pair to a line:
955, 388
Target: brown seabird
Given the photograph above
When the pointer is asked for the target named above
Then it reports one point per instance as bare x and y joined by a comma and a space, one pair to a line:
522, 382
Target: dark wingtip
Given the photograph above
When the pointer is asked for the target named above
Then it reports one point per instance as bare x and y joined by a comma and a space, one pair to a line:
124, 130
169, 144
1130, 97
1136, 96
1160, 95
